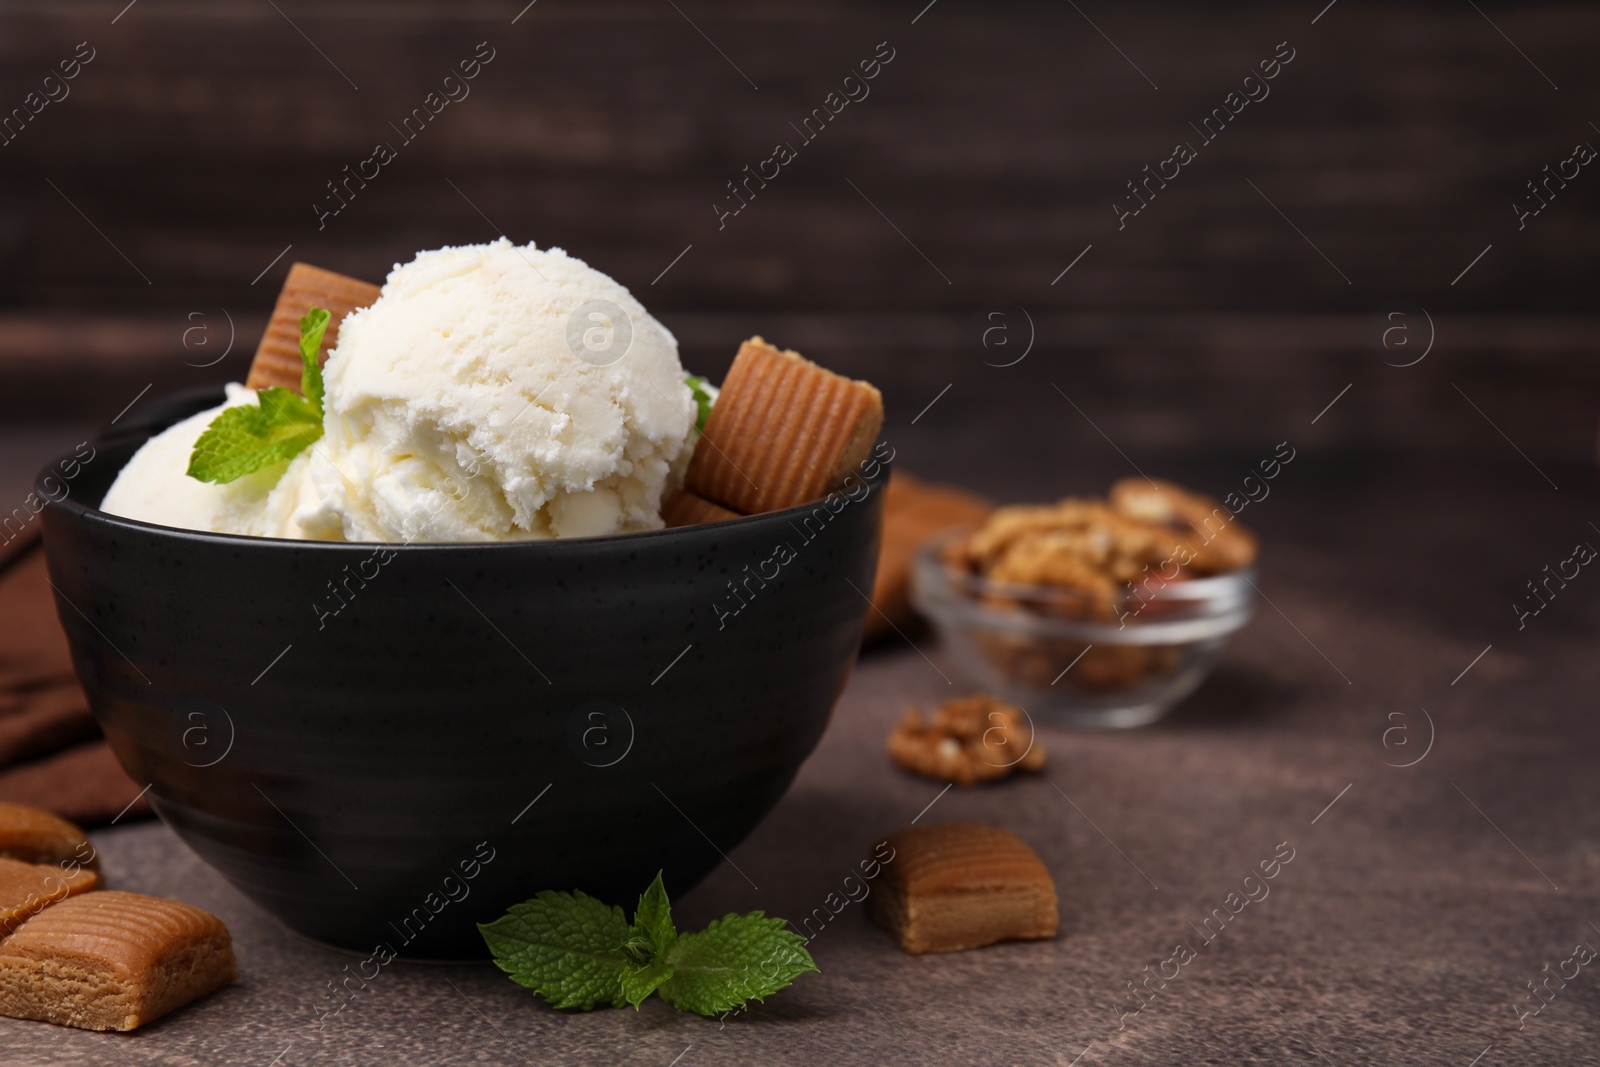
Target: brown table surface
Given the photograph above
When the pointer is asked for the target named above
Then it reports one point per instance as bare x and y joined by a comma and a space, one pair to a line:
1418, 904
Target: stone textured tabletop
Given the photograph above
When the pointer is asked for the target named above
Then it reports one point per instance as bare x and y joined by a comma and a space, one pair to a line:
1419, 903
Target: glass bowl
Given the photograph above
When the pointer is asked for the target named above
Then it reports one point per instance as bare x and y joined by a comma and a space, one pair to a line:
1049, 650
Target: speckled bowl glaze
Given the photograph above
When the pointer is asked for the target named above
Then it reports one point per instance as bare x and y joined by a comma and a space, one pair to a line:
475, 722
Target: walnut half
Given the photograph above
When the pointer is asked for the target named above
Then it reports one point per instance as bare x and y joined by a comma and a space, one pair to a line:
979, 738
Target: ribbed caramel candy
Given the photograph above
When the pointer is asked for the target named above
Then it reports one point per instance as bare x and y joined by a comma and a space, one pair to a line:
963, 886
112, 961
684, 508
29, 888
35, 836
783, 431
277, 359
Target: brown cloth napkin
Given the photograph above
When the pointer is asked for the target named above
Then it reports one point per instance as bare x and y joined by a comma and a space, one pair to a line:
52, 755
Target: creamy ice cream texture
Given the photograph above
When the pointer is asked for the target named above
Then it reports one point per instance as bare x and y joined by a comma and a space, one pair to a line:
492, 392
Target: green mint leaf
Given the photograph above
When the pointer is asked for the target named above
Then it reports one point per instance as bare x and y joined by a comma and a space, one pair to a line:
639, 981
243, 439
312, 327
702, 400
652, 920
566, 947
735, 959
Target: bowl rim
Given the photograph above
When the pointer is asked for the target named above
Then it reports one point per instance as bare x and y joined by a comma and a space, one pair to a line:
93, 515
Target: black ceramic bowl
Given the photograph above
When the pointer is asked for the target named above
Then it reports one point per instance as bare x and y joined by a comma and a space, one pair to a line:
477, 722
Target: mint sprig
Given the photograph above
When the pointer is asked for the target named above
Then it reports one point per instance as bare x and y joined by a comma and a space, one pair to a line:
702, 400
243, 439
576, 952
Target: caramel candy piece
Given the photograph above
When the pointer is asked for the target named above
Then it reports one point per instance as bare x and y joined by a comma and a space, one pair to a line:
963, 886
684, 508
112, 961
28, 888
35, 836
783, 431
913, 511
277, 359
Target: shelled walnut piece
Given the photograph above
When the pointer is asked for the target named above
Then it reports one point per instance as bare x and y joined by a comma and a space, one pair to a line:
1205, 527
1096, 668
974, 739
1083, 554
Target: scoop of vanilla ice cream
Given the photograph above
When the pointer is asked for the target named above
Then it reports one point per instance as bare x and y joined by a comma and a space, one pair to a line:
155, 487
496, 392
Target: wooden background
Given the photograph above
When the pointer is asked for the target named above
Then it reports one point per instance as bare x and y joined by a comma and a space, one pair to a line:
991, 150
